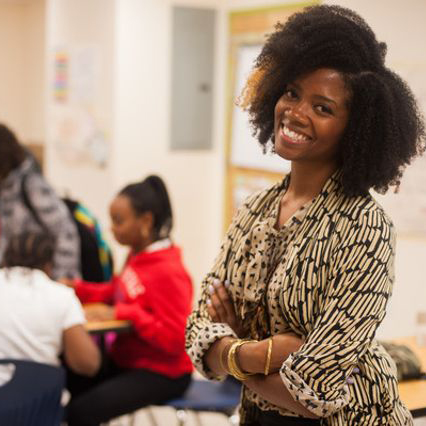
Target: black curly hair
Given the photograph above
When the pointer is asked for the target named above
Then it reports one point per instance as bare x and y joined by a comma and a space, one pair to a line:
385, 130
151, 195
33, 250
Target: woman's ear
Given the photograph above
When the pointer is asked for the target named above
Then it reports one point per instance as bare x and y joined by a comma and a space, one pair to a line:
147, 224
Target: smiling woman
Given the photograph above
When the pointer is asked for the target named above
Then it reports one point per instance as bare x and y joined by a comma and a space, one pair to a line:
310, 118
292, 302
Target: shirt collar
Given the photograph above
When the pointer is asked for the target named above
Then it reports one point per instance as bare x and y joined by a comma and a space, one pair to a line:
159, 245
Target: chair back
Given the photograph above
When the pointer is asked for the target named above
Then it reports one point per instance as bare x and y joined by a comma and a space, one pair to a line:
203, 395
32, 397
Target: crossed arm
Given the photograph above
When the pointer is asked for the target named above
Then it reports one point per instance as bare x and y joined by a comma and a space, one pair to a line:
251, 357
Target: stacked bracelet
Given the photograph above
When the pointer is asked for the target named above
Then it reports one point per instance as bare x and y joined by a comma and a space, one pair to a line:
221, 362
268, 357
233, 366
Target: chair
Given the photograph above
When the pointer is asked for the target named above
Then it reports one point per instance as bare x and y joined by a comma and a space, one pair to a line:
32, 397
202, 395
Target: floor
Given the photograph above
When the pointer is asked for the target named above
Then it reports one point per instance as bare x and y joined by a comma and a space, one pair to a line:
166, 417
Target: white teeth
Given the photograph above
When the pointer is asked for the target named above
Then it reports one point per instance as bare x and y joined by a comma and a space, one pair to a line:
294, 135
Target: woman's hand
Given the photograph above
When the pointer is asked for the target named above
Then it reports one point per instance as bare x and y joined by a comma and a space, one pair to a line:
99, 312
221, 309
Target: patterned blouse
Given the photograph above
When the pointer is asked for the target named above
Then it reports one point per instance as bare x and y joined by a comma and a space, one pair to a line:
326, 275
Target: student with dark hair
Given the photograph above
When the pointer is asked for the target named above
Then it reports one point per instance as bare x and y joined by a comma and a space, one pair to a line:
39, 318
20, 174
147, 365
293, 301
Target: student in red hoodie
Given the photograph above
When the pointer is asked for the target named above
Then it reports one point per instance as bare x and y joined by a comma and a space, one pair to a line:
147, 365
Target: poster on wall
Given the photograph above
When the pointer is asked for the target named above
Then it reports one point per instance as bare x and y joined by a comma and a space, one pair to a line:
60, 84
77, 134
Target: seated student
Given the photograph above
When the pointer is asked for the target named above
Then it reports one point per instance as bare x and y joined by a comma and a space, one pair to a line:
21, 184
39, 318
147, 365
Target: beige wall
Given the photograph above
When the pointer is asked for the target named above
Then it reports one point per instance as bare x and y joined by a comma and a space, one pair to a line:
22, 68
12, 65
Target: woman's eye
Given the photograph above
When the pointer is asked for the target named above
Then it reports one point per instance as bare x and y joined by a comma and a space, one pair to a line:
290, 93
323, 109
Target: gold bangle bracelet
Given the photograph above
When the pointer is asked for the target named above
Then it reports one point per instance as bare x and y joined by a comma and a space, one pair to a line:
268, 357
234, 369
222, 365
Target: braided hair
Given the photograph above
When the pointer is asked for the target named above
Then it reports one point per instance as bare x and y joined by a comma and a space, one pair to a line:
151, 195
385, 130
33, 250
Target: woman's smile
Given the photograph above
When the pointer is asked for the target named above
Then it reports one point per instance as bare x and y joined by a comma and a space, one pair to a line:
293, 136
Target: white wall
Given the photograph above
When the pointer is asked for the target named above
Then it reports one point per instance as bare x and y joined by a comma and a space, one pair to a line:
73, 25
134, 38
142, 101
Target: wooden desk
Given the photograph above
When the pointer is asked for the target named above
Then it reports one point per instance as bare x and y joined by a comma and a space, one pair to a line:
413, 392
413, 395
102, 327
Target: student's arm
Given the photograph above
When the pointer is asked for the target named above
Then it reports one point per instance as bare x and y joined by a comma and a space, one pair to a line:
161, 320
89, 292
80, 352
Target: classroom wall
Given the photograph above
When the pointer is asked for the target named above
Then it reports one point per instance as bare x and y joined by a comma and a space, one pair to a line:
82, 179
22, 68
142, 126
134, 38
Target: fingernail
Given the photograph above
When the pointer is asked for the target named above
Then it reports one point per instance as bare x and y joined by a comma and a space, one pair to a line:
211, 289
356, 370
350, 380
216, 282
227, 282
209, 302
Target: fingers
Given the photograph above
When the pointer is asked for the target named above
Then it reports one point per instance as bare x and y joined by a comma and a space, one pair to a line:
216, 304
220, 305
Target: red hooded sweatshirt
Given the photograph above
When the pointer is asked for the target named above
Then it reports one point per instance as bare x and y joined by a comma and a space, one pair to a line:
154, 291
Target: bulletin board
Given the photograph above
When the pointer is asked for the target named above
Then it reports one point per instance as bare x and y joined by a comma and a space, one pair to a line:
247, 168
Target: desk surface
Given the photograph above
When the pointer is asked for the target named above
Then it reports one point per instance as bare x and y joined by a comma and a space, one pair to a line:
100, 327
413, 395
413, 392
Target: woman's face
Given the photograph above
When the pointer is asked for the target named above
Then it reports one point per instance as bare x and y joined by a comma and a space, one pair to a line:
129, 228
311, 117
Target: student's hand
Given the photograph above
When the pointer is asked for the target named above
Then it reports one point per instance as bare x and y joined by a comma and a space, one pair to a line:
67, 281
99, 312
221, 309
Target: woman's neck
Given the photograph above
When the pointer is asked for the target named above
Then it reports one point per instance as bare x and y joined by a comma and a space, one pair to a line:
307, 182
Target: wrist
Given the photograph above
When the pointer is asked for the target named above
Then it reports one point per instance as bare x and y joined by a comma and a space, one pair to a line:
251, 356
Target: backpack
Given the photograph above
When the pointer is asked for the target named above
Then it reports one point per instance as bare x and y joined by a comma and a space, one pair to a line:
95, 255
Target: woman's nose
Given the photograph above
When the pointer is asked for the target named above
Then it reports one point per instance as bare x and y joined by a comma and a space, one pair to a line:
297, 114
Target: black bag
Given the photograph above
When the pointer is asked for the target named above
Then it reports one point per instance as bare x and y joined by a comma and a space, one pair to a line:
407, 363
95, 255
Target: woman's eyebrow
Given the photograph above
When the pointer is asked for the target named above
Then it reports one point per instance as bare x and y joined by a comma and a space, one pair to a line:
324, 98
